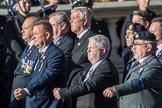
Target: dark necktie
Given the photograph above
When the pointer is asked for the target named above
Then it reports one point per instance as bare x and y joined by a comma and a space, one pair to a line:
129, 64
27, 48
77, 39
134, 64
38, 59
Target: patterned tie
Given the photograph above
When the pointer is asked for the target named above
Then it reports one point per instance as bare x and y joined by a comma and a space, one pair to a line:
38, 59
89, 74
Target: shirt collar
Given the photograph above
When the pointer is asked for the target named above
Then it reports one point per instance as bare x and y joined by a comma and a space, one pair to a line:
31, 44
96, 64
141, 60
83, 32
44, 50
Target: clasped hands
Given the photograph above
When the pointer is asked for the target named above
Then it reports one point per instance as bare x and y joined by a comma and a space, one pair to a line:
109, 92
57, 92
20, 93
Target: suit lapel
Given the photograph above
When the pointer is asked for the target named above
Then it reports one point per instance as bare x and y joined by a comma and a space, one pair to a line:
25, 52
60, 41
42, 60
80, 41
139, 67
84, 73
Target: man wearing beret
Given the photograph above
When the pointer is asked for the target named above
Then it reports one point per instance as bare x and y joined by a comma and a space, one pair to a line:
142, 86
143, 5
127, 54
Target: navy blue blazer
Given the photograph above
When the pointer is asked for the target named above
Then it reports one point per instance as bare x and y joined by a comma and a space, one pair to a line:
22, 73
48, 74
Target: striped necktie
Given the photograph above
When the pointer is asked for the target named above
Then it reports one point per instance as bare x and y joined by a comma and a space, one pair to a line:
89, 74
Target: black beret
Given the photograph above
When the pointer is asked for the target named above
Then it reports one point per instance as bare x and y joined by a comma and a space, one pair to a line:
81, 3
145, 35
136, 27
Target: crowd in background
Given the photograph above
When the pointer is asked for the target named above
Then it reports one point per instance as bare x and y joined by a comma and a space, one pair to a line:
61, 60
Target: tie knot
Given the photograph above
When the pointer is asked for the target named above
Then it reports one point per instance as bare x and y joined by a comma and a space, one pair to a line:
90, 70
77, 39
135, 63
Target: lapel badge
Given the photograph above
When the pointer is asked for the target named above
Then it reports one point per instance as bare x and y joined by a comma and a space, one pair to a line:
58, 43
130, 27
78, 44
43, 58
141, 69
137, 36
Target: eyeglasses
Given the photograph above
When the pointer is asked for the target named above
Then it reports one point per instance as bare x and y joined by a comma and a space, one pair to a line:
54, 25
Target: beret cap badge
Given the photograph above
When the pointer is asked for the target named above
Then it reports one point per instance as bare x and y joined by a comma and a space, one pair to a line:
130, 27
137, 36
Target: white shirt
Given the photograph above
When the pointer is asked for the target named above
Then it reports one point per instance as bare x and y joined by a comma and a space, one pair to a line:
30, 44
83, 32
91, 70
141, 60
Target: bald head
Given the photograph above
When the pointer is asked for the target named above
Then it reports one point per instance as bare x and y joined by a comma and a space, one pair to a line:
27, 28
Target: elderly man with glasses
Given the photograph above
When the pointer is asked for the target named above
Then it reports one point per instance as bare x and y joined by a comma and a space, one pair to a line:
142, 86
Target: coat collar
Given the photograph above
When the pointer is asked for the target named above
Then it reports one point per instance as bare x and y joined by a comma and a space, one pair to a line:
141, 65
81, 41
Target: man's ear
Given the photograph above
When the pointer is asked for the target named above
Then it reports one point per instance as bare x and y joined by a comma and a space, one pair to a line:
104, 50
149, 47
147, 24
47, 35
63, 25
85, 21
